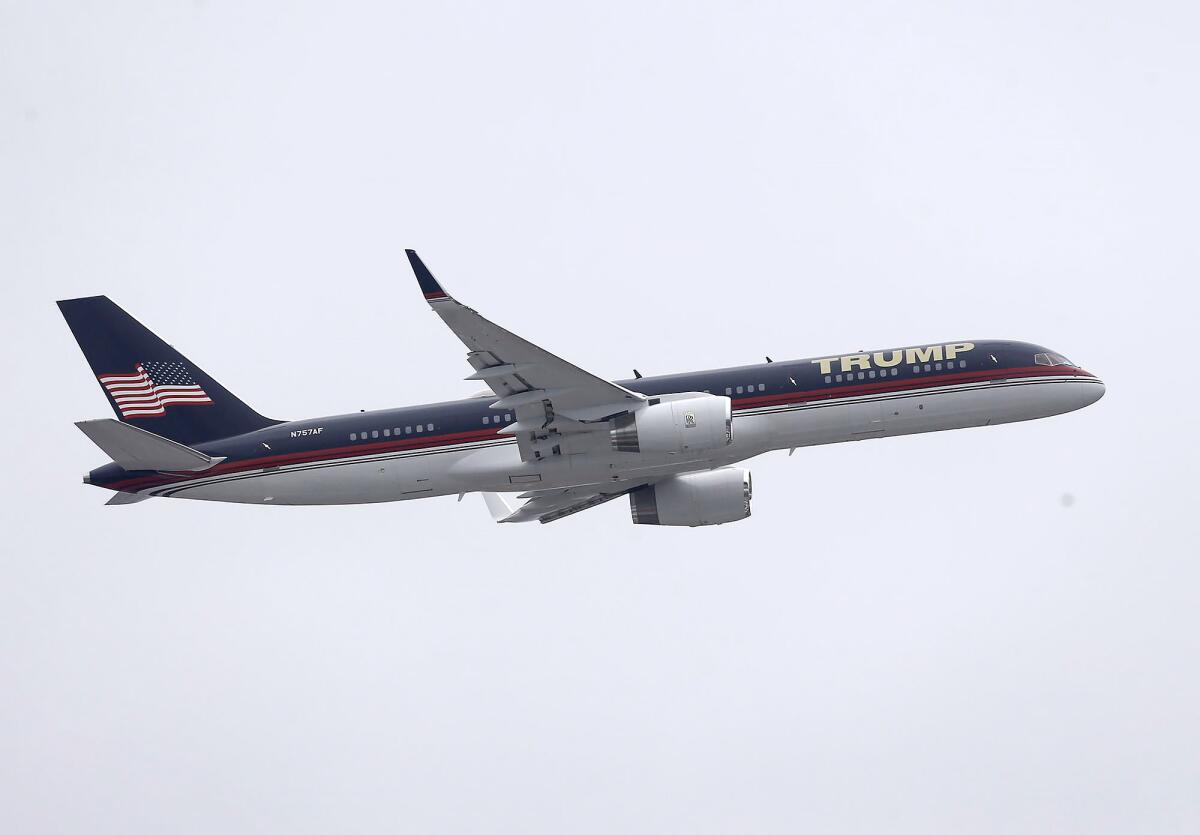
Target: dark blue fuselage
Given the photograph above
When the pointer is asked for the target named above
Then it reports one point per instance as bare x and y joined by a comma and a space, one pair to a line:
471, 421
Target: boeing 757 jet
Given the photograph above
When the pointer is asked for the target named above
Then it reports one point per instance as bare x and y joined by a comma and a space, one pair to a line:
548, 439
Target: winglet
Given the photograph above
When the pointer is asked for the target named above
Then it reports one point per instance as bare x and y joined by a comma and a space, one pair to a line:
429, 285
499, 506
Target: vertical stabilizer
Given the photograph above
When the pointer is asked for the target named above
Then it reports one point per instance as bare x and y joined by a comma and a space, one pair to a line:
148, 383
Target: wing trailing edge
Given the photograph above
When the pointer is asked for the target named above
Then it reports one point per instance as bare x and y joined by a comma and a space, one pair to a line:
547, 506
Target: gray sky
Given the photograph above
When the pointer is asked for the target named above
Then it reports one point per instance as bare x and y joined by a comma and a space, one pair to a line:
909, 635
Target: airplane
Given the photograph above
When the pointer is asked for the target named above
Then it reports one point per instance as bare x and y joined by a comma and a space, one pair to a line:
547, 439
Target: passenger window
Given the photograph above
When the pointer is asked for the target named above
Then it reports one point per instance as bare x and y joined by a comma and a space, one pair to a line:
927, 367
374, 433
962, 363
728, 392
387, 433
861, 376
739, 389
408, 430
354, 436
429, 427
829, 379
485, 419
937, 366
762, 387
507, 417
838, 378
871, 373
916, 369
420, 428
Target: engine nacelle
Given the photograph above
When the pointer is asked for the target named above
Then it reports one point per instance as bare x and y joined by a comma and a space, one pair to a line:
692, 423
693, 499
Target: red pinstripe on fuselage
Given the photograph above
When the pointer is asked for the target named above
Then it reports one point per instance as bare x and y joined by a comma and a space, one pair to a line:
830, 392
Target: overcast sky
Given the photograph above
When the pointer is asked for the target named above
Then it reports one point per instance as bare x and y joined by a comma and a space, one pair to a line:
987, 631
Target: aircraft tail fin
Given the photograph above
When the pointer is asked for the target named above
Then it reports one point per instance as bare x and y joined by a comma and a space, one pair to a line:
149, 383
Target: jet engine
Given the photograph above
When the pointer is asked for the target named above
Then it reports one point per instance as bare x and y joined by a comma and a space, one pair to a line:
693, 499
692, 423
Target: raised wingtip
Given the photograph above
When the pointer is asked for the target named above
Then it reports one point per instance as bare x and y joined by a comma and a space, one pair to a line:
429, 285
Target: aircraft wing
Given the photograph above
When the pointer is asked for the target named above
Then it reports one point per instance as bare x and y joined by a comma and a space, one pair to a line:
551, 505
539, 387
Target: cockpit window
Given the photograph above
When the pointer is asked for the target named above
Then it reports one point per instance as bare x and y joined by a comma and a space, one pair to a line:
1051, 358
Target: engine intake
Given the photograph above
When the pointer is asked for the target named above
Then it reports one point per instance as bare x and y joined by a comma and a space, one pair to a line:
692, 423
693, 499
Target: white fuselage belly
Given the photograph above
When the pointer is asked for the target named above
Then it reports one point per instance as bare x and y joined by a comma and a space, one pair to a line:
495, 465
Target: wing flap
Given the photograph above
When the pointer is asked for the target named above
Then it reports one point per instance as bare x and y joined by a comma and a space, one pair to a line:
551, 505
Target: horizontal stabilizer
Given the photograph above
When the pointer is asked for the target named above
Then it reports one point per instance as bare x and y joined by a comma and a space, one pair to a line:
121, 497
132, 448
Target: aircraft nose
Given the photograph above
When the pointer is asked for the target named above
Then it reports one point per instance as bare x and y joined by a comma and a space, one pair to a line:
1095, 390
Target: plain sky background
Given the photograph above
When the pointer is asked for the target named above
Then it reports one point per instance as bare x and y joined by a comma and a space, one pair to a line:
985, 631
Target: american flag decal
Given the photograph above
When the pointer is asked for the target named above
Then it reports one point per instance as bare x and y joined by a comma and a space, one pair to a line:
152, 388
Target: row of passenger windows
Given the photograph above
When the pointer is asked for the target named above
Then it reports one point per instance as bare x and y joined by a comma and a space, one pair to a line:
884, 372
750, 389
496, 418
387, 433
862, 375
937, 366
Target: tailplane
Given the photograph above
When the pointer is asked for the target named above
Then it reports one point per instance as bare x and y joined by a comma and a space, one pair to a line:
132, 448
148, 383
